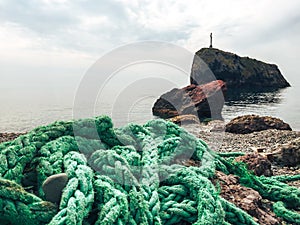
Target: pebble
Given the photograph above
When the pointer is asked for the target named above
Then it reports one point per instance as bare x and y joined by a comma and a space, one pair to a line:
253, 142
53, 187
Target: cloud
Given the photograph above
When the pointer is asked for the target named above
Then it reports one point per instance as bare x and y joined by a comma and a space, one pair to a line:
73, 25
62, 31
39, 16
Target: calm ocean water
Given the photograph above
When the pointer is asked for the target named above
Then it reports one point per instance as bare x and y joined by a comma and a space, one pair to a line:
283, 104
25, 108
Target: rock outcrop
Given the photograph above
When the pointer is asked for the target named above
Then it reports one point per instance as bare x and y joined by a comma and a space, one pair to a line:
236, 71
204, 101
251, 123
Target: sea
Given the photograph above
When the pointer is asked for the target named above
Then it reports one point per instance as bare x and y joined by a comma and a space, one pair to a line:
23, 107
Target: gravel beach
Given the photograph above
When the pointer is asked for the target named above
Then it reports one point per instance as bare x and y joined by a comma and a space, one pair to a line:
218, 140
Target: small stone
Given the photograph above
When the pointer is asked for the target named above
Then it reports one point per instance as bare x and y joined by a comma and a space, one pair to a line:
258, 149
53, 187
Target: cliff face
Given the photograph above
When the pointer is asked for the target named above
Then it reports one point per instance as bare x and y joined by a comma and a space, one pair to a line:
236, 71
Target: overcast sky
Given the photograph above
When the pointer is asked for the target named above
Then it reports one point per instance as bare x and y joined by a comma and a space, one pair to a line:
65, 37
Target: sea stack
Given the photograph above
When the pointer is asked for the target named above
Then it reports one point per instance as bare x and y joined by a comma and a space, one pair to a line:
236, 71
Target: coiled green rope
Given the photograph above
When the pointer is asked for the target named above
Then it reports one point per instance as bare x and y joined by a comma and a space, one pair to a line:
288, 215
129, 175
20, 207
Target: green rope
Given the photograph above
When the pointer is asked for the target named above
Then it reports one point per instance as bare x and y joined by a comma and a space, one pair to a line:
231, 154
268, 187
288, 215
78, 195
286, 178
235, 215
129, 175
20, 207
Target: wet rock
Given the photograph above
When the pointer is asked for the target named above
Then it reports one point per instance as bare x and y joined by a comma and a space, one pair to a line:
251, 123
258, 163
204, 101
286, 154
53, 187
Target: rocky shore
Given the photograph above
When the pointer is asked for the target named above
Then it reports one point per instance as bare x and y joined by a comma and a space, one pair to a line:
262, 142
265, 141
256, 145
